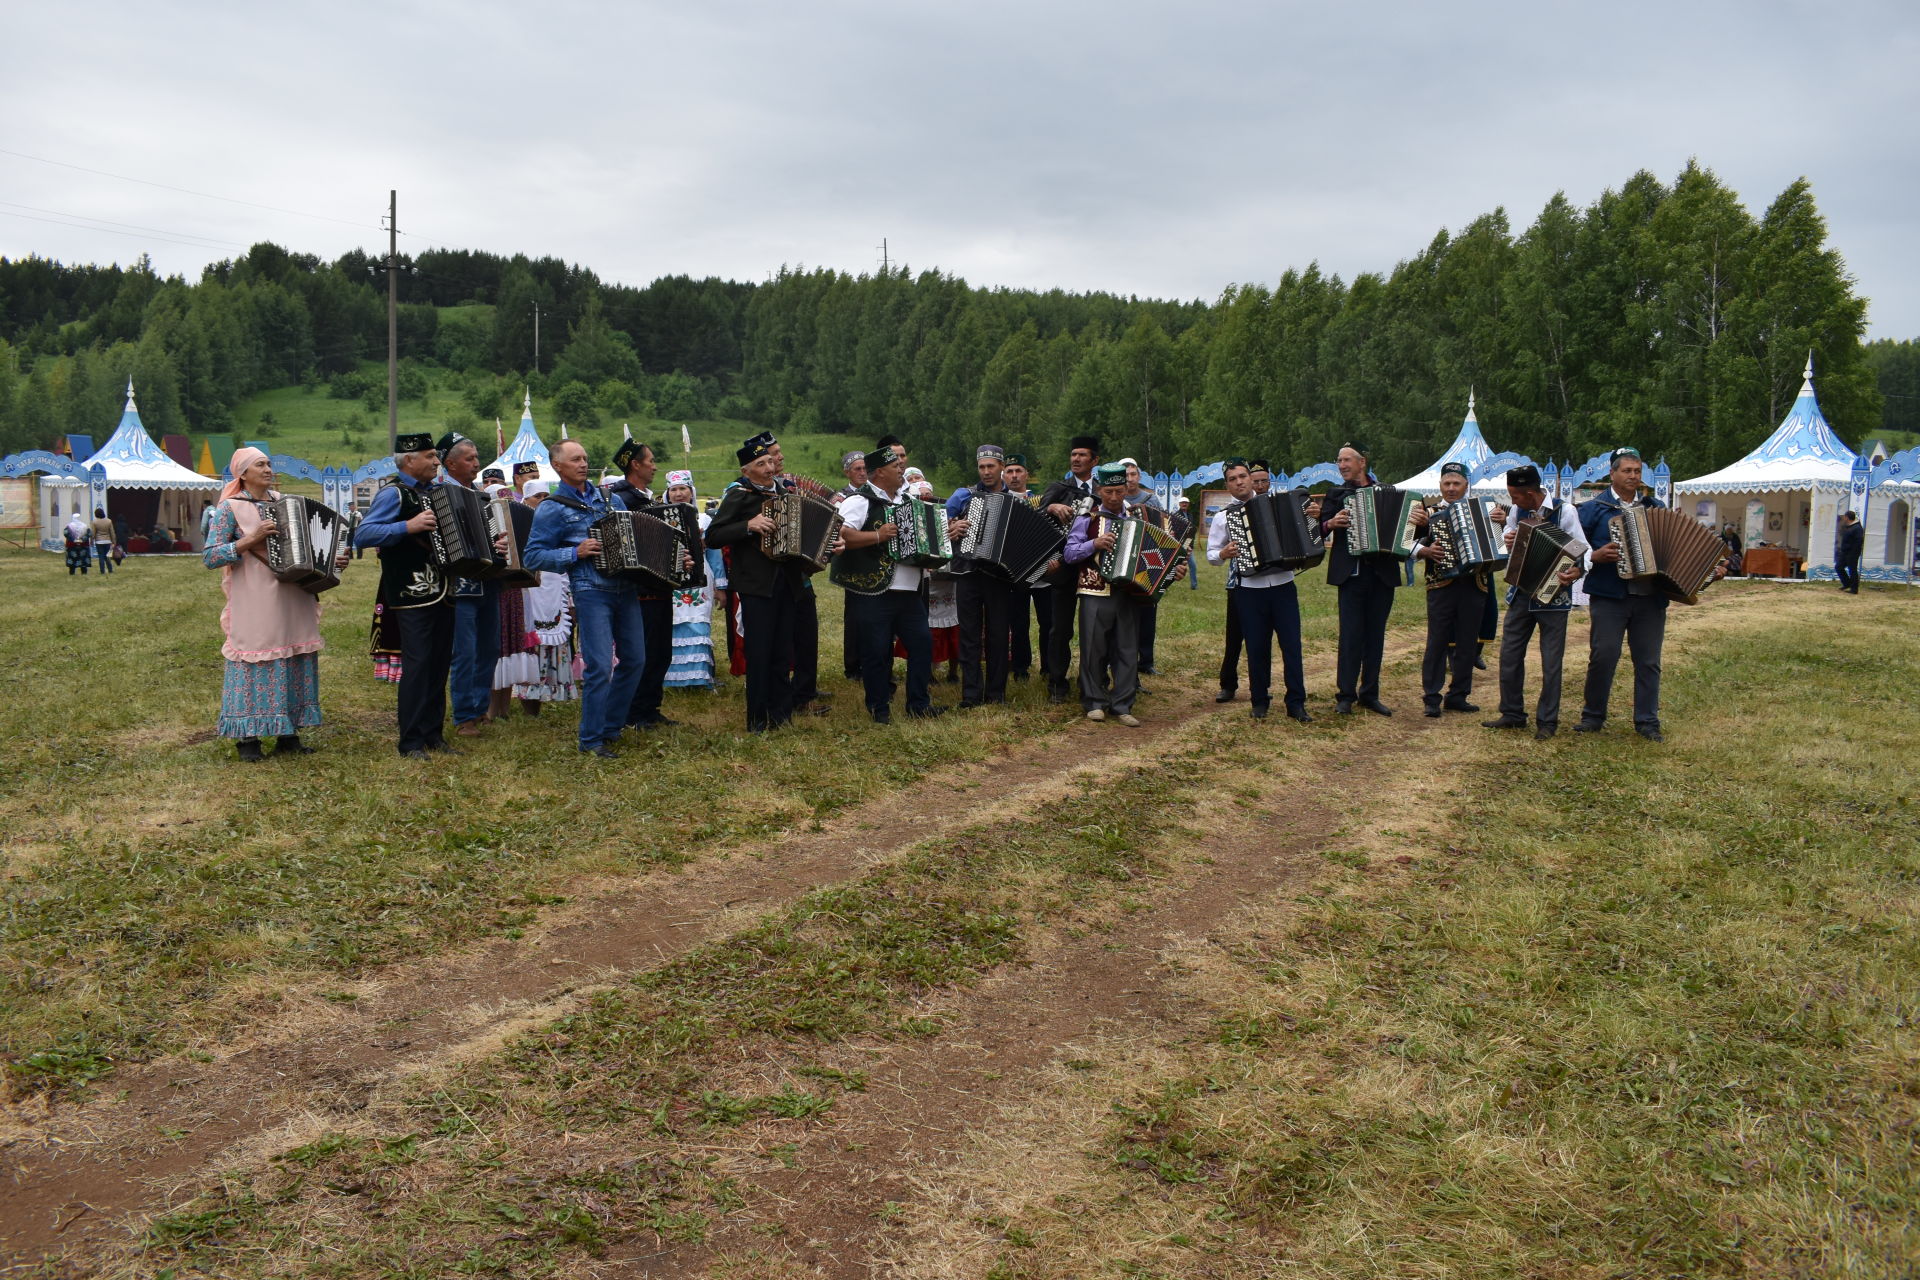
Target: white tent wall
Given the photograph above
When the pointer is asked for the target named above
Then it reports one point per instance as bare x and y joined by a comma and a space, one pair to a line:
58, 500
1889, 535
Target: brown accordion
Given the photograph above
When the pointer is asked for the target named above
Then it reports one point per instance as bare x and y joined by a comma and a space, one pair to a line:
308, 536
1534, 561
805, 527
1669, 549
640, 548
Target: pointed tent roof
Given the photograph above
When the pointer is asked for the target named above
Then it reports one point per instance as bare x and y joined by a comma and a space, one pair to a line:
526, 446
1802, 452
1469, 447
133, 461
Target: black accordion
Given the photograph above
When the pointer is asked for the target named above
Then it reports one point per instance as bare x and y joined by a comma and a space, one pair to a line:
1533, 562
920, 534
461, 539
1272, 531
640, 548
1382, 521
308, 537
805, 527
1468, 539
515, 519
1010, 539
1671, 550
686, 520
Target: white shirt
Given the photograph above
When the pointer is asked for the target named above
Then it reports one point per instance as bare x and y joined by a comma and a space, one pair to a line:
1216, 543
854, 509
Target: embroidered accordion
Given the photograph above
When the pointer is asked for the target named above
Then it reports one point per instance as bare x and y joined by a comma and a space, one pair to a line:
920, 534
1468, 540
1668, 548
461, 539
804, 528
640, 548
1533, 562
309, 535
1143, 556
686, 520
1009, 538
1271, 531
1382, 522
515, 519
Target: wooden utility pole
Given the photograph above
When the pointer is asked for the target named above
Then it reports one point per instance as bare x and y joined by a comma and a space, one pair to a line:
393, 320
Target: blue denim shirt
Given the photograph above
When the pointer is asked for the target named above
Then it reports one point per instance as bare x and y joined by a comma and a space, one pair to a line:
382, 525
559, 527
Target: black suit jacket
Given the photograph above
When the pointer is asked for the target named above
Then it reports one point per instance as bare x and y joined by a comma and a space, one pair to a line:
1853, 540
1343, 564
750, 571
1066, 492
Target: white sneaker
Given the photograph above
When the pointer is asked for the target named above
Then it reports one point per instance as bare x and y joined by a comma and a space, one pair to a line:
1128, 721
1096, 714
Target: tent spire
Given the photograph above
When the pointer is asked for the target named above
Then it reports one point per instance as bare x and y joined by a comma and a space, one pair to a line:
130, 405
526, 403
1470, 417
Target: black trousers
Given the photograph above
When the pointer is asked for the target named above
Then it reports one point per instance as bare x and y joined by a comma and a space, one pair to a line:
986, 605
882, 619
769, 623
1365, 603
426, 659
1230, 663
1848, 571
1641, 621
1268, 614
849, 646
1453, 629
1065, 604
806, 647
1149, 627
656, 622
1020, 624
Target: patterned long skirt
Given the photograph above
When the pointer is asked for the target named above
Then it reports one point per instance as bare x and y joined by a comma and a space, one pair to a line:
270, 699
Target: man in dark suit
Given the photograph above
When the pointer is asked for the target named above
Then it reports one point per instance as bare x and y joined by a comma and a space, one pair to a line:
1065, 499
1853, 540
638, 462
1366, 585
769, 589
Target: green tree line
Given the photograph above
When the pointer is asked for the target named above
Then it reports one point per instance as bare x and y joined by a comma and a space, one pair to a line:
1662, 314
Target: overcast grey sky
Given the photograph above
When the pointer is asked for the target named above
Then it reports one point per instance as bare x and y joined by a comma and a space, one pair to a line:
1159, 149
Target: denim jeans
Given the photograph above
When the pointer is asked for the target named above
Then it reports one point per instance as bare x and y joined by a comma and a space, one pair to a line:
476, 650
606, 621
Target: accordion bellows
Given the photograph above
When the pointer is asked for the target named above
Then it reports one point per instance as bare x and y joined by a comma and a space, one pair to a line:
1381, 522
805, 527
1010, 539
309, 535
1670, 549
1271, 531
1534, 560
639, 547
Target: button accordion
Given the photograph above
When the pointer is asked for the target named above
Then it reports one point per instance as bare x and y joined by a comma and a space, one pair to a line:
1271, 531
1468, 539
686, 521
1142, 558
515, 519
308, 537
1669, 549
640, 548
1382, 521
462, 536
805, 527
1008, 538
1533, 562
920, 534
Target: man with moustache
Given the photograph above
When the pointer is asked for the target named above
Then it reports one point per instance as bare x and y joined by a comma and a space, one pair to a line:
1366, 585
638, 463
1066, 500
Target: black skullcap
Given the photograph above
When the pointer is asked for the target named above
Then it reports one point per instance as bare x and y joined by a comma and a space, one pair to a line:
415, 442
495, 474
629, 450
758, 447
883, 456
1527, 477
527, 468
1259, 464
449, 440
1090, 443
1357, 447
884, 441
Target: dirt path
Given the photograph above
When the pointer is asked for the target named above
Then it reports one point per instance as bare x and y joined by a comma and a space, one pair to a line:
75, 1174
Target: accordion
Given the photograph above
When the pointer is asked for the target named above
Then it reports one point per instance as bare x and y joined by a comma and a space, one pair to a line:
1533, 562
1272, 532
462, 536
1008, 538
1382, 522
686, 520
307, 538
515, 519
1143, 556
920, 534
639, 547
1670, 549
1468, 540
804, 528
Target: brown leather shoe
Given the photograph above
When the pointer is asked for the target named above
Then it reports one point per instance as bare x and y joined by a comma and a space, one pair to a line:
469, 729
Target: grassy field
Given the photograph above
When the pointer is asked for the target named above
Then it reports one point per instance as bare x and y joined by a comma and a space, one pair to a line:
1584, 1008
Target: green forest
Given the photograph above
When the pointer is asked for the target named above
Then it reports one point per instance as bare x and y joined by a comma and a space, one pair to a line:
1662, 314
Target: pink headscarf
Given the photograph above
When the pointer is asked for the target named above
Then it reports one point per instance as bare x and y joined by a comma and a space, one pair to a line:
243, 457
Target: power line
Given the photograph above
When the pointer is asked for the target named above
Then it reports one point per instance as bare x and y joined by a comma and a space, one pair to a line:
204, 195
137, 235
131, 226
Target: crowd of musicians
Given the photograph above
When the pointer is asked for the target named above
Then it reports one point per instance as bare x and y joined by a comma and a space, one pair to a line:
568, 624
